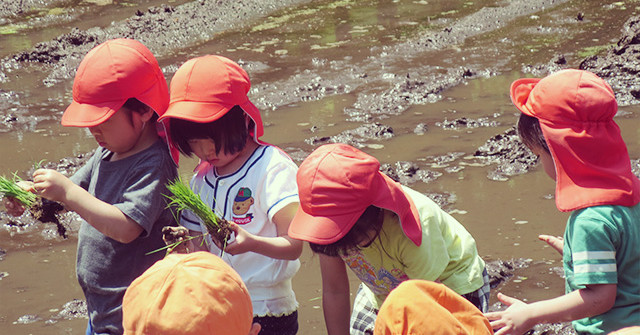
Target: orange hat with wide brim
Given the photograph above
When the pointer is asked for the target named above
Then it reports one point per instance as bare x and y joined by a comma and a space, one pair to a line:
336, 184
576, 109
188, 294
207, 87
422, 307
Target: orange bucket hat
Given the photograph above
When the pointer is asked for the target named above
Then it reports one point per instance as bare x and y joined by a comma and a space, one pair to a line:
336, 184
207, 87
422, 307
576, 109
189, 294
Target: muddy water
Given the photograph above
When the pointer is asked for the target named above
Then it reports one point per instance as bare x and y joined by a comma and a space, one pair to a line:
321, 70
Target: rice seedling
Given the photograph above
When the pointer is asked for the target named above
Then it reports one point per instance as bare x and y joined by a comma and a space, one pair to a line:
41, 209
183, 198
10, 188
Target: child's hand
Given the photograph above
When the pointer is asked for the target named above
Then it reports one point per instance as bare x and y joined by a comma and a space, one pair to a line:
51, 184
515, 320
556, 242
243, 242
15, 208
172, 235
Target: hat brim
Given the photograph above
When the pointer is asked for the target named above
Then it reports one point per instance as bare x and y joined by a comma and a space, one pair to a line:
89, 115
329, 229
195, 111
321, 229
203, 112
520, 91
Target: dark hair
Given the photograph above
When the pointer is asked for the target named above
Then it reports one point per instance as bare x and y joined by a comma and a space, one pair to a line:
229, 132
370, 220
530, 132
139, 107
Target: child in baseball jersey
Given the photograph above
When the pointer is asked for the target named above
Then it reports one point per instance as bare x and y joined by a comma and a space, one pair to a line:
248, 182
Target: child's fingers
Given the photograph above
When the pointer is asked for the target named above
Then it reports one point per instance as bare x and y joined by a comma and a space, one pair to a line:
507, 300
497, 324
26, 185
233, 226
503, 331
493, 316
555, 242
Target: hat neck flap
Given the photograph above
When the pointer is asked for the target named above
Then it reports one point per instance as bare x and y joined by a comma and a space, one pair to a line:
592, 165
391, 196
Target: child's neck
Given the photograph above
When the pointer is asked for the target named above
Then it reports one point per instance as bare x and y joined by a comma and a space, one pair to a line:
242, 157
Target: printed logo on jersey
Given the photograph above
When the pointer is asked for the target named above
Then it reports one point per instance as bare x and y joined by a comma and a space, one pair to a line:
241, 205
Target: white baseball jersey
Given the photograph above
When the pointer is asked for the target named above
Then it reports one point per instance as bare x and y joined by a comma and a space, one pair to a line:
250, 197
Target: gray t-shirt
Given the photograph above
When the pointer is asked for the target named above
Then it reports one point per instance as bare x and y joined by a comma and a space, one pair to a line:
106, 267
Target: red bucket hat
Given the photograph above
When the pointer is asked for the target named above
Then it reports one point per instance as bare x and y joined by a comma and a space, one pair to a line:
206, 88
108, 76
336, 183
576, 109
422, 307
196, 293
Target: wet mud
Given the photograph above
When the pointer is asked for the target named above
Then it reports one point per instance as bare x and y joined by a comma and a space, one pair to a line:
381, 93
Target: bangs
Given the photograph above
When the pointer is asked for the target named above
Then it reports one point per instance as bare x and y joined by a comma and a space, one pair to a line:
229, 133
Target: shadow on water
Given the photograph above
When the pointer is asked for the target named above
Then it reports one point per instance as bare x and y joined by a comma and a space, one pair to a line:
414, 83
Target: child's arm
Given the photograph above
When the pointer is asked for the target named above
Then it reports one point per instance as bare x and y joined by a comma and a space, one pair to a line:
106, 218
280, 247
520, 317
336, 304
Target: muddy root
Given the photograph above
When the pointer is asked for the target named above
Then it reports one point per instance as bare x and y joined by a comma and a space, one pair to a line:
222, 233
46, 211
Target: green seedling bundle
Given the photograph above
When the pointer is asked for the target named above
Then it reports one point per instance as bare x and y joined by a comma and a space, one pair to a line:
42, 210
182, 197
10, 188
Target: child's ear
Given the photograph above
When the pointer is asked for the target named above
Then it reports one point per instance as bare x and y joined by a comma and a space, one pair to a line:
255, 329
147, 114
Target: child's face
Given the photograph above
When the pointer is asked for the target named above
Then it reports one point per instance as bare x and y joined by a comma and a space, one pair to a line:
205, 149
547, 162
121, 132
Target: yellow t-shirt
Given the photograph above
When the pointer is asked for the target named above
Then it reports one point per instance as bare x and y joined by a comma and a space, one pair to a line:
447, 254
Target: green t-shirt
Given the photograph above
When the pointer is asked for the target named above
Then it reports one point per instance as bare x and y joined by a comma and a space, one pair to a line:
447, 254
602, 246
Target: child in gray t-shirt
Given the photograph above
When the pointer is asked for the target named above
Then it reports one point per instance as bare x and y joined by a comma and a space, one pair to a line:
118, 93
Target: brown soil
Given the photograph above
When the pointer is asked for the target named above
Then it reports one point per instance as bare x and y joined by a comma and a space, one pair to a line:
46, 211
222, 233
174, 235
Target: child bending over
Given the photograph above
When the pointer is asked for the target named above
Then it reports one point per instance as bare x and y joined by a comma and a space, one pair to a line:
352, 214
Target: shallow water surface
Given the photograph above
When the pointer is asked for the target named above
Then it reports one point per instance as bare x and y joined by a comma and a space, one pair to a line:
322, 69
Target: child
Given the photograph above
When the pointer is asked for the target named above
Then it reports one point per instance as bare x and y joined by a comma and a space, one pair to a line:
118, 193
567, 120
353, 214
247, 182
422, 307
188, 294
